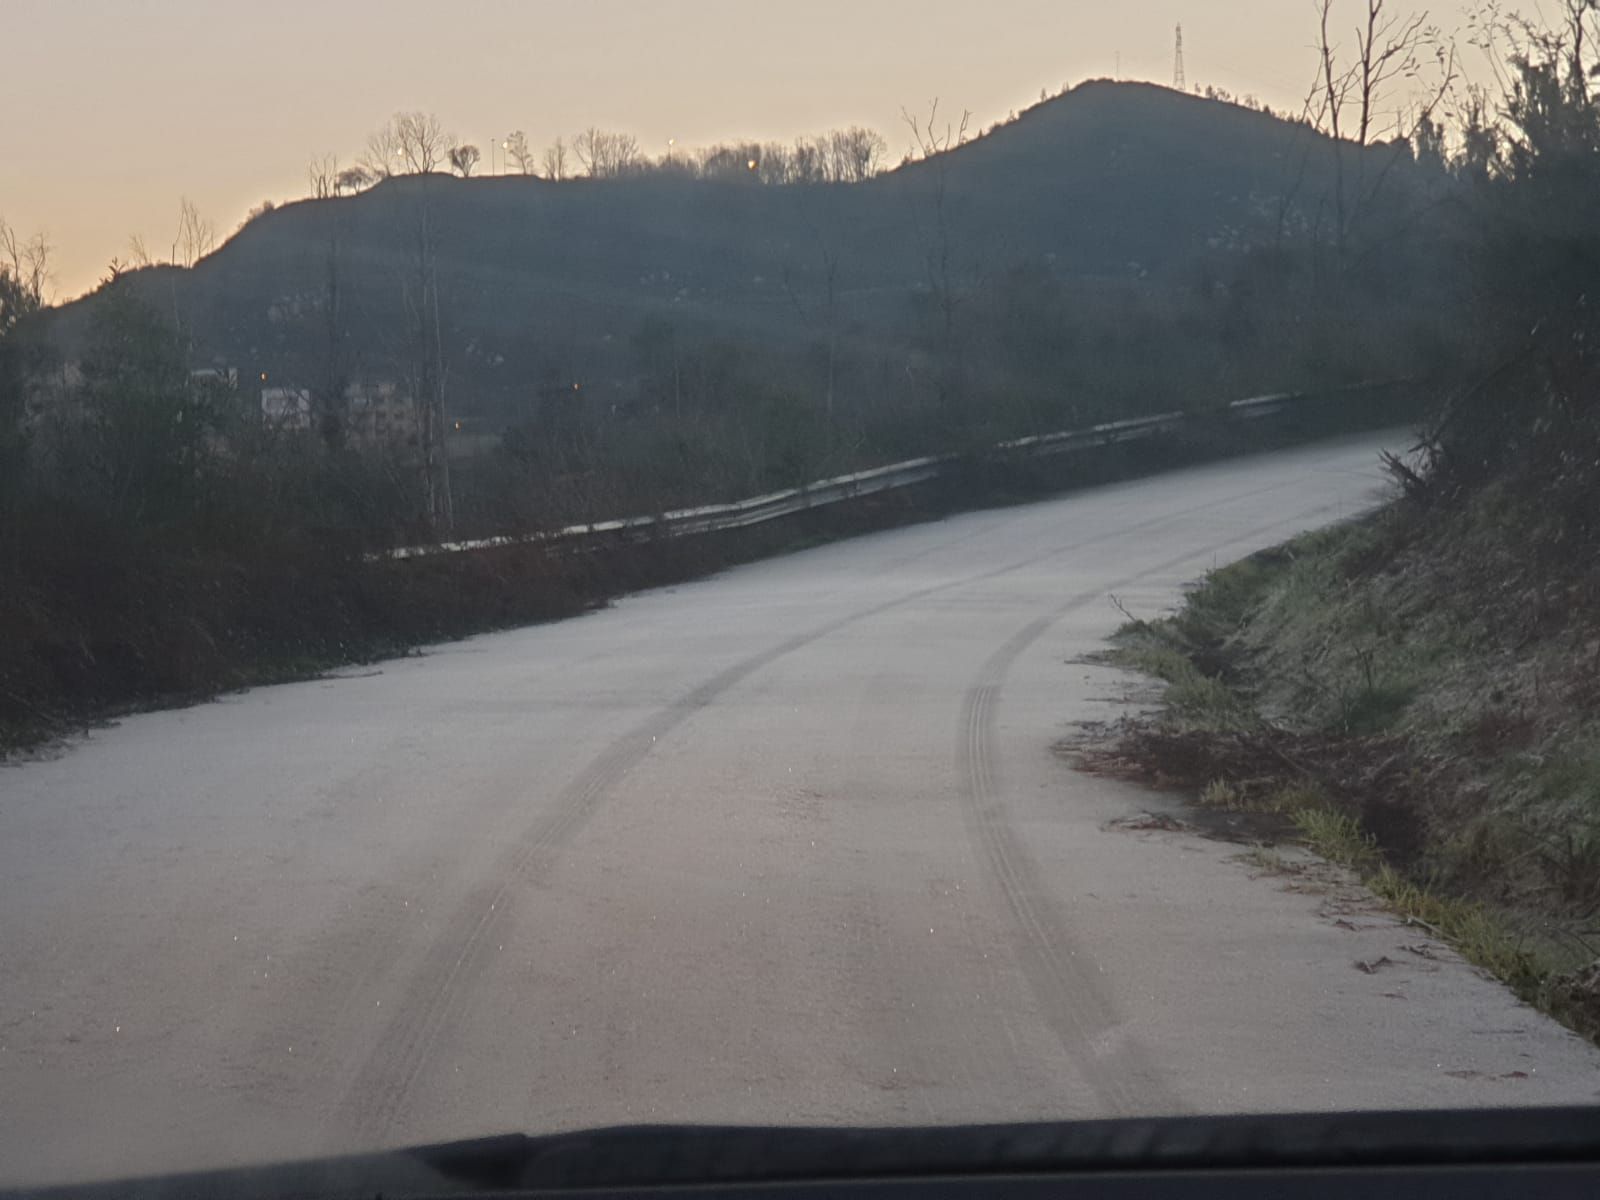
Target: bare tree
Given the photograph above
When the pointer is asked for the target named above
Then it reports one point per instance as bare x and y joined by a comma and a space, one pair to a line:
1349, 98
463, 158
517, 151
424, 145
930, 140
412, 143
856, 154
381, 158
140, 253
934, 144
555, 161
775, 164
27, 262
196, 237
606, 155
587, 146
809, 161
323, 175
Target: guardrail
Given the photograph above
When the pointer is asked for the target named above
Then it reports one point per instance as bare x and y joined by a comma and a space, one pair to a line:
739, 514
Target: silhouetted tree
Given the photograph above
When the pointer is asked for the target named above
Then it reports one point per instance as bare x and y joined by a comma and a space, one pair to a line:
606, 155
555, 161
323, 175
1349, 97
464, 158
856, 154
412, 143
143, 424
196, 236
24, 272
353, 179
517, 151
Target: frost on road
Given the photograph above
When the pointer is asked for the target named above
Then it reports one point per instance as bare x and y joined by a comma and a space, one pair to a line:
785, 845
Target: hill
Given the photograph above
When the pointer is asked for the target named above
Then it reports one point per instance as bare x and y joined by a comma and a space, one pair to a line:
1123, 195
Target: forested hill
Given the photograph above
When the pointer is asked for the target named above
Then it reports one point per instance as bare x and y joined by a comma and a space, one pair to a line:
1110, 185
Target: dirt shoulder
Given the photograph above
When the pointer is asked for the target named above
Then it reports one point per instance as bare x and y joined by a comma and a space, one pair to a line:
1416, 696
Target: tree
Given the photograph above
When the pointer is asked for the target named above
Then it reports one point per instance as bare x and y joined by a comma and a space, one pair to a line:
323, 176
856, 154
143, 428
930, 141
740, 162
463, 158
27, 262
555, 161
807, 161
423, 143
934, 145
606, 155
824, 314
196, 237
412, 143
24, 277
1349, 97
381, 158
352, 180
517, 151
420, 295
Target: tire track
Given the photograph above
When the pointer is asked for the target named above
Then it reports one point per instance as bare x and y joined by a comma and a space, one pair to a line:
1062, 976
374, 1100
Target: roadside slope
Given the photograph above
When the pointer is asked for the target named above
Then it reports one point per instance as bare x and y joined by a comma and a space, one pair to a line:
1417, 693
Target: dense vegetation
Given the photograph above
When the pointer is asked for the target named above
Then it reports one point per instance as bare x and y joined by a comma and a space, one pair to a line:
1419, 691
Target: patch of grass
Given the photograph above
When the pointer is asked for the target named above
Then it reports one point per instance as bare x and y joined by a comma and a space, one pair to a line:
1200, 699
1225, 796
1221, 794
1481, 938
1220, 606
1338, 838
1269, 861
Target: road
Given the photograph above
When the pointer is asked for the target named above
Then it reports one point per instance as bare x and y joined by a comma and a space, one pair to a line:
790, 844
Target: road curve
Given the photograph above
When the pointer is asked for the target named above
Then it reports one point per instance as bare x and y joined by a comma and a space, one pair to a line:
785, 845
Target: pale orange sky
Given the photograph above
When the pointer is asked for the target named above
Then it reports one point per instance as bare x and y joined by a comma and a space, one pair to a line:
111, 110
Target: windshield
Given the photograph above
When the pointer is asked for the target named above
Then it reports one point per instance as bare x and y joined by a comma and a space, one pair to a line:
801, 564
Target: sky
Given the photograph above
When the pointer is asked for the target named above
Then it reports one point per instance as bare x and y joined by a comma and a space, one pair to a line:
112, 111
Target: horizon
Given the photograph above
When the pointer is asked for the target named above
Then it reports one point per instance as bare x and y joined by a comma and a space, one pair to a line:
266, 93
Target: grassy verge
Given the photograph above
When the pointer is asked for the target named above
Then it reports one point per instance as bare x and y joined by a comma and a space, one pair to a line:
1414, 695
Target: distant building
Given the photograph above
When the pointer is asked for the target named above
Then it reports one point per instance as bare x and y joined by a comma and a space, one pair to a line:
227, 377
380, 414
286, 408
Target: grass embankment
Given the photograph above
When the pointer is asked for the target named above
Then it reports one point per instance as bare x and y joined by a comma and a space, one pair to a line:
1419, 694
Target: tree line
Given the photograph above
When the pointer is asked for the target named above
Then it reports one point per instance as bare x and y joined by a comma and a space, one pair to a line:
415, 143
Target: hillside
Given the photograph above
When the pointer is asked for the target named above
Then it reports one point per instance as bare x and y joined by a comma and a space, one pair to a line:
1112, 190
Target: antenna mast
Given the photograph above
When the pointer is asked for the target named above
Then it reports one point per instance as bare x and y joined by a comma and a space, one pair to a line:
1180, 81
